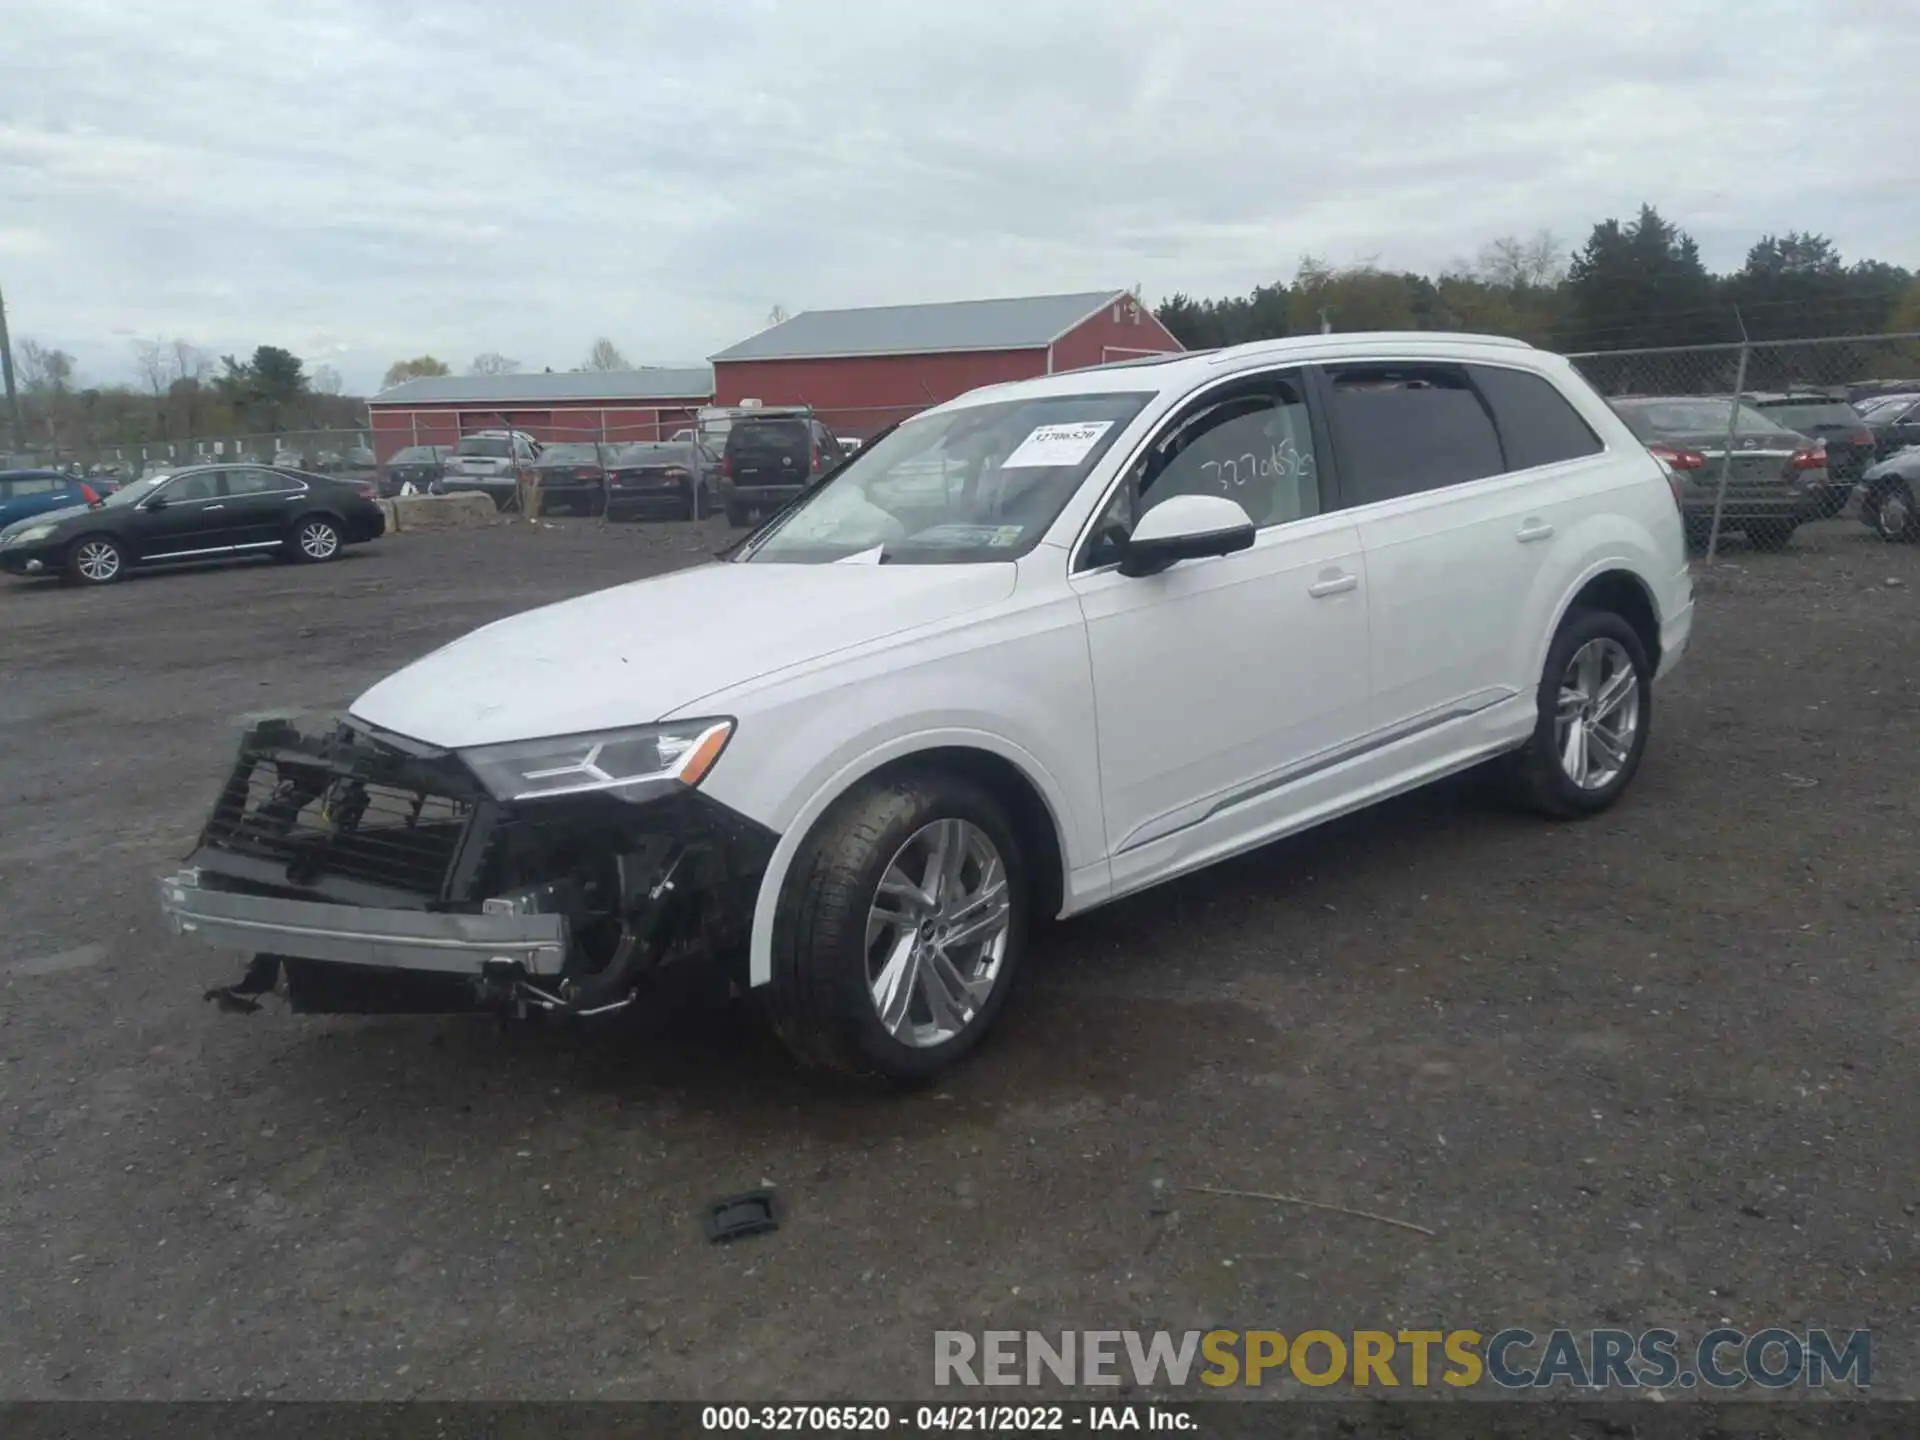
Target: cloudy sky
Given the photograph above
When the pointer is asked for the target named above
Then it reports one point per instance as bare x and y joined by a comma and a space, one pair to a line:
361, 180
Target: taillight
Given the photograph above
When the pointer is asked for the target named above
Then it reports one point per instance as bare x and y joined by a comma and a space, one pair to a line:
369, 492
586, 474
1675, 458
86, 494
813, 458
1861, 437
1812, 457
726, 465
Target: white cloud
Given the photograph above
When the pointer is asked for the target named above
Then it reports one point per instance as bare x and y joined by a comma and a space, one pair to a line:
364, 180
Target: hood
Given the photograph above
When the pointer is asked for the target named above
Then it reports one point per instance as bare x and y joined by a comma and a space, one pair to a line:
46, 517
1905, 463
642, 652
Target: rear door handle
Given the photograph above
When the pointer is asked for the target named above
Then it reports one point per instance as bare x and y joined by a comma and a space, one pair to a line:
1333, 585
1534, 530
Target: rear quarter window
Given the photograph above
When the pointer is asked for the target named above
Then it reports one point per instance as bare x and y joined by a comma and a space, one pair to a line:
1538, 425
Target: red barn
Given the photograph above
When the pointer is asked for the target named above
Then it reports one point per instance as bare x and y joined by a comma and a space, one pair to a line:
610, 405
862, 369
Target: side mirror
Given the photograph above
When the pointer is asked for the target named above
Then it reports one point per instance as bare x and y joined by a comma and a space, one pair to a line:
1185, 527
158, 502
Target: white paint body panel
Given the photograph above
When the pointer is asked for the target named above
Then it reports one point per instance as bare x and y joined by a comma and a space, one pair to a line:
1167, 721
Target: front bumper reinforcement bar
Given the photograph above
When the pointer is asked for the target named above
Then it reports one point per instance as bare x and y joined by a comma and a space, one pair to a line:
440, 943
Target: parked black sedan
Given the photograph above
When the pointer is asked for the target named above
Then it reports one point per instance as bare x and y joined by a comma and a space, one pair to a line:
420, 466
572, 477
209, 512
653, 476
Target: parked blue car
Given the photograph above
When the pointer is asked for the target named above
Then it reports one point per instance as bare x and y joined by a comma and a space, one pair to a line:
32, 492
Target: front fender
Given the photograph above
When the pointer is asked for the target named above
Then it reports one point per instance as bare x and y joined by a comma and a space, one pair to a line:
858, 767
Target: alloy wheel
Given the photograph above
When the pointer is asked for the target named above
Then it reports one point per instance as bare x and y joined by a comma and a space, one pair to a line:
318, 540
1894, 514
98, 561
937, 932
1598, 714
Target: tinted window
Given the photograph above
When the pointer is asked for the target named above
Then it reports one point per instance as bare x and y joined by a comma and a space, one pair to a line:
1408, 428
768, 437
259, 482
488, 446
570, 454
1537, 425
416, 455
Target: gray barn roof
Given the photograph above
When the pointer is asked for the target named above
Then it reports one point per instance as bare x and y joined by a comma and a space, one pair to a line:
1030, 323
610, 386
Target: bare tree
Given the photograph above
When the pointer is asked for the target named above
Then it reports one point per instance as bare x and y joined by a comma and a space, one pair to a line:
44, 371
326, 380
605, 355
493, 363
1514, 264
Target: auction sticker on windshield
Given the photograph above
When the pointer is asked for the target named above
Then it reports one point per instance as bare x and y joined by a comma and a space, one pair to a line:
1052, 445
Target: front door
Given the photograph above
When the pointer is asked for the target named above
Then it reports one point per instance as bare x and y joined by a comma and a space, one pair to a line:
187, 516
1220, 683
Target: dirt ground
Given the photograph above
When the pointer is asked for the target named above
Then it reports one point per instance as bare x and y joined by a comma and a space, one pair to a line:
1656, 1069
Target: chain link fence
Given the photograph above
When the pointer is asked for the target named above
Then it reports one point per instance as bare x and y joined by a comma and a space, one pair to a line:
324, 451
670, 467
1766, 436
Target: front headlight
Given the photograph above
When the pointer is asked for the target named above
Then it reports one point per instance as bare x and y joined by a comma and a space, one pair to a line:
637, 764
32, 532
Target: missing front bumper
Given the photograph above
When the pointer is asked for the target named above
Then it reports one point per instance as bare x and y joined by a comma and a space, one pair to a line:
417, 940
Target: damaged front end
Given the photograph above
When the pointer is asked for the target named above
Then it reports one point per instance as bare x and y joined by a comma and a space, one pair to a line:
370, 873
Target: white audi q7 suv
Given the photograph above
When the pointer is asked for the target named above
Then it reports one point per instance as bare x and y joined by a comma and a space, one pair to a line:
1036, 648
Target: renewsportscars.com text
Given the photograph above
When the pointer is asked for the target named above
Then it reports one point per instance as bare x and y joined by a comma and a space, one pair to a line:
1512, 1359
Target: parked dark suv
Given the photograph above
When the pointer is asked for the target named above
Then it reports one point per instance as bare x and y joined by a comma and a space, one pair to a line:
1848, 440
771, 456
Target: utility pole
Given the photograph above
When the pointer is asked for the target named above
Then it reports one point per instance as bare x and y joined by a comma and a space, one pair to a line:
16, 436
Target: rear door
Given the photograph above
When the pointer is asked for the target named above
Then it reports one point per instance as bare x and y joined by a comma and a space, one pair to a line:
260, 505
1456, 530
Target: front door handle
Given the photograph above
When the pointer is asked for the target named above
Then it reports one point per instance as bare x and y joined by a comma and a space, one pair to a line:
1333, 585
1534, 530
212, 507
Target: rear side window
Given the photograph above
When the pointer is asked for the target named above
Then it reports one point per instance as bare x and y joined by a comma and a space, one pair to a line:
1537, 425
1404, 429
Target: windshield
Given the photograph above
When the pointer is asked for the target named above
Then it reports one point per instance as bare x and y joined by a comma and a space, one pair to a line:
963, 486
653, 452
1654, 419
569, 454
1885, 405
487, 446
413, 455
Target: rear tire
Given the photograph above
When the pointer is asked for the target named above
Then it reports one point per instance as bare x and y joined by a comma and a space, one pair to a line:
1568, 778
96, 560
316, 539
900, 930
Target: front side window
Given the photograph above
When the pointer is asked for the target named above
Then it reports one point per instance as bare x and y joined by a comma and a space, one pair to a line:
204, 486
962, 486
1406, 429
1250, 442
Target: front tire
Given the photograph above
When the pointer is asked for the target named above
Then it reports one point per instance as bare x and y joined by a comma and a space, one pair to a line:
901, 929
1892, 514
1595, 710
96, 560
316, 540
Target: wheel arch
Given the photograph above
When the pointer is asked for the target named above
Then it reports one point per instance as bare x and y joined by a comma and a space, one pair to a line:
1617, 587
1011, 776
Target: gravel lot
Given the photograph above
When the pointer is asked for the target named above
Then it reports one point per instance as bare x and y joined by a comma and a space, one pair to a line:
1656, 1069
